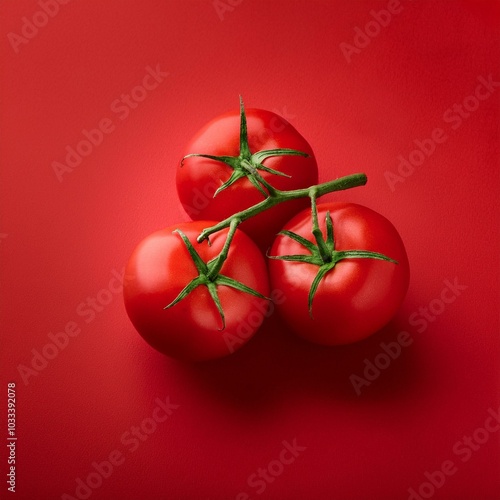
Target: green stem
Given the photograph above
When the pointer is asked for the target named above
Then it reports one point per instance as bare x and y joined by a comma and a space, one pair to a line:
347, 182
325, 253
215, 265
244, 149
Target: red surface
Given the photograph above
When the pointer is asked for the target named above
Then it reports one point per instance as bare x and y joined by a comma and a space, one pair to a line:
66, 241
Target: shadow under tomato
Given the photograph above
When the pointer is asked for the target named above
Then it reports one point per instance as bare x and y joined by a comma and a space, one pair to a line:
276, 365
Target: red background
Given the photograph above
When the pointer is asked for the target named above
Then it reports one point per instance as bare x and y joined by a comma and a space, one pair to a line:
61, 241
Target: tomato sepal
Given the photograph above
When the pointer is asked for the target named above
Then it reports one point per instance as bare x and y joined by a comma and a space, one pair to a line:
247, 164
209, 274
322, 272
323, 253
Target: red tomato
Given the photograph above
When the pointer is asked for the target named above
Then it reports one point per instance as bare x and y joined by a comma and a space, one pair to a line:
161, 266
355, 298
198, 178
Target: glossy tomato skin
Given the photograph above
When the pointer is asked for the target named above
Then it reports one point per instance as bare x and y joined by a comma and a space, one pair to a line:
358, 296
198, 178
160, 267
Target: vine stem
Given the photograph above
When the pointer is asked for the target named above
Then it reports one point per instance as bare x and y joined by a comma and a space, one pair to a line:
277, 196
221, 258
316, 231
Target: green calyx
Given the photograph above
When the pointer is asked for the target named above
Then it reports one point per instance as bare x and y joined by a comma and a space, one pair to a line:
209, 274
323, 253
248, 164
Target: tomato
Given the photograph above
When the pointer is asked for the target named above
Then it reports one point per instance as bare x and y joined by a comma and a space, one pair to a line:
241, 139
193, 329
356, 296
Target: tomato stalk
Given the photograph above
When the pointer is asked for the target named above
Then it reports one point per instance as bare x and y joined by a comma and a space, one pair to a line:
277, 196
215, 265
324, 251
209, 274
